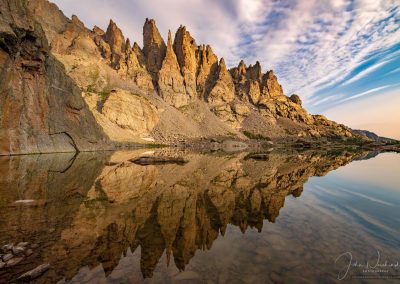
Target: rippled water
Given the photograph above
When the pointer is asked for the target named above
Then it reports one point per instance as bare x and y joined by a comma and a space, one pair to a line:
221, 218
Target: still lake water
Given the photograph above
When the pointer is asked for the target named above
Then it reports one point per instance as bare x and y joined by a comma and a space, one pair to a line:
309, 217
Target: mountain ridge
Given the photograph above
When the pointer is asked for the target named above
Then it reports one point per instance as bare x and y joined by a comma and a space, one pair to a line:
166, 92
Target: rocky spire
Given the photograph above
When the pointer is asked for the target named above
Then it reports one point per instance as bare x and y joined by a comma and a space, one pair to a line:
128, 46
127, 61
170, 81
139, 53
254, 72
153, 47
242, 67
77, 22
207, 68
270, 85
98, 31
239, 72
222, 65
136, 68
131, 58
185, 49
224, 90
136, 47
115, 38
253, 91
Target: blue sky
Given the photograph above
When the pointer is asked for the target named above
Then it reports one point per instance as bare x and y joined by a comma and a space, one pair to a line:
340, 56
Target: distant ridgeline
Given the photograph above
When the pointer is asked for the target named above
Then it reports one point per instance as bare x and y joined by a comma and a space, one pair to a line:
373, 136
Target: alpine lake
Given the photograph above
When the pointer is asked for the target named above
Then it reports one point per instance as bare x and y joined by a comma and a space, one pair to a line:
275, 217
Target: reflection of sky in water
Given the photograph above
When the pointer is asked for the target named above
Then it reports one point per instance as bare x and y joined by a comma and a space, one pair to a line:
351, 209
366, 193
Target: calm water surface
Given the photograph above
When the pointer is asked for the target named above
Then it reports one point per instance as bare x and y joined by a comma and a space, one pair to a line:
309, 217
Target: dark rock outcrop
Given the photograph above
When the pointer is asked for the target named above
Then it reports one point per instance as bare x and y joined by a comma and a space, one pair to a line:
296, 99
41, 107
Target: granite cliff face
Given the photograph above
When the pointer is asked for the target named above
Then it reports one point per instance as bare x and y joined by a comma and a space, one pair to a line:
41, 107
172, 92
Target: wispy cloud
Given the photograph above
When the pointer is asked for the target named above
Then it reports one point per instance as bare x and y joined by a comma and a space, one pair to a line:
319, 100
318, 49
365, 72
396, 70
374, 90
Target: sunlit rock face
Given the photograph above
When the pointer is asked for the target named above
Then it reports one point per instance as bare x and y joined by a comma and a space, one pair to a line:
223, 91
170, 80
185, 48
62, 62
154, 47
120, 206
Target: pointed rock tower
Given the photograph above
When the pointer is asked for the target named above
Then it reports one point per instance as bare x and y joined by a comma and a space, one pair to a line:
116, 41
170, 80
154, 48
206, 71
271, 86
185, 49
224, 90
115, 38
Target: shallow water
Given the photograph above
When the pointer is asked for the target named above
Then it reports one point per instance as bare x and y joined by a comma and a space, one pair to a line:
221, 218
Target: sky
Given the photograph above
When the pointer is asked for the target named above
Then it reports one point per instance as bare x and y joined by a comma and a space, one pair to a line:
342, 57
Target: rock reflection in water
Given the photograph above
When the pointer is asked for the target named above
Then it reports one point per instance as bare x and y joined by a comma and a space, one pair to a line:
97, 207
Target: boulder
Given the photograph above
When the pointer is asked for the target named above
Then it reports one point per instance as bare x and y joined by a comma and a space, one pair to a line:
7, 257
34, 273
17, 250
153, 160
14, 261
296, 99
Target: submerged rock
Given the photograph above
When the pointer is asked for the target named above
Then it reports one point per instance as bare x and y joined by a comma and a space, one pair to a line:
7, 248
14, 261
34, 273
7, 257
259, 156
28, 252
18, 250
147, 160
